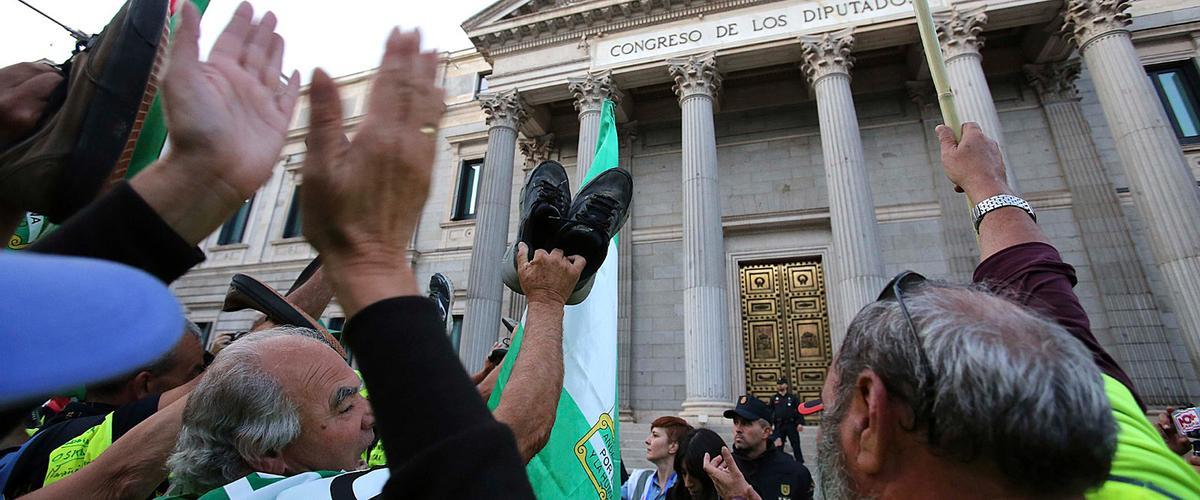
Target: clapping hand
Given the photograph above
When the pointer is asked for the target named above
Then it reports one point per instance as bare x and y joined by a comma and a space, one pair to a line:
228, 118
361, 199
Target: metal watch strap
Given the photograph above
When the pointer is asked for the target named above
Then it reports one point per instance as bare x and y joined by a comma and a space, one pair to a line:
999, 201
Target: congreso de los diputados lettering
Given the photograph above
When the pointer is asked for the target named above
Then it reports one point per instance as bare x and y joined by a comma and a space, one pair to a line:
785, 166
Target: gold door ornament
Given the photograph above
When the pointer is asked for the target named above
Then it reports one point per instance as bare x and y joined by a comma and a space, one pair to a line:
785, 326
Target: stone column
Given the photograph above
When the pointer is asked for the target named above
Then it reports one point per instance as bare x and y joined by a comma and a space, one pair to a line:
705, 318
857, 267
1136, 332
481, 323
959, 34
1164, 190
625, 288
958, 232
590, 92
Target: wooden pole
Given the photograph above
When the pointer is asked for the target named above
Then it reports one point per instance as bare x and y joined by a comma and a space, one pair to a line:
937, 67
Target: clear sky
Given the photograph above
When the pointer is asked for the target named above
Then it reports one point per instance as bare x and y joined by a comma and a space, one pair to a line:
342, 36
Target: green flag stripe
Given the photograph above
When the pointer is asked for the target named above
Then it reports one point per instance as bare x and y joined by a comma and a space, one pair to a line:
154, 129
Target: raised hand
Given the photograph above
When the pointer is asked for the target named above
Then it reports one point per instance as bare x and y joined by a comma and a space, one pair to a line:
24, 89
362, 198
549, 277
727, 478
231, 112
1177, 443
228, 119
974, 163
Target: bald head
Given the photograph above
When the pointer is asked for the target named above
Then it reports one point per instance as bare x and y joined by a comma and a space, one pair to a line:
280, 401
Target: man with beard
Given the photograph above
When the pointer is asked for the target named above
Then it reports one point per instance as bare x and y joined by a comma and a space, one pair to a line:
942, 390
768, 470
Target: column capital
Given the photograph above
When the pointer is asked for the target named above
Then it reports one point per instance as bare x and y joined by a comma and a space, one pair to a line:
959, 31
1054, 82
922, 93
536, 150
827, 53
1087, 20
503, 109
695, 75
591, 90
627, 135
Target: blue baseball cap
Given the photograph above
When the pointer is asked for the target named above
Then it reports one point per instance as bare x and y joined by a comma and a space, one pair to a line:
69, 321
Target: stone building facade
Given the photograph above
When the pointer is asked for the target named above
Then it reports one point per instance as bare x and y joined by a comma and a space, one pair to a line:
785, 167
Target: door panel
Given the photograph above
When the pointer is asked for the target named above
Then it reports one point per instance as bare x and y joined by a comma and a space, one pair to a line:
785, 326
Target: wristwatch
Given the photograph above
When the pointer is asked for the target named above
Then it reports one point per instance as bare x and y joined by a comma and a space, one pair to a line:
999, 201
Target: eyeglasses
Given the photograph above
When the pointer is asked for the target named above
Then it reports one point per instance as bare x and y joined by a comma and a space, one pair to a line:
907, 281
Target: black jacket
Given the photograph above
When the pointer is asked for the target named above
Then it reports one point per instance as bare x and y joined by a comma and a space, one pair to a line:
783, 410
775, 475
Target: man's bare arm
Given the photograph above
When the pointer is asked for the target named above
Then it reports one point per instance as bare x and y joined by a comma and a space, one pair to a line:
530, 400
975, 165
131, 468
169, 398
488, 383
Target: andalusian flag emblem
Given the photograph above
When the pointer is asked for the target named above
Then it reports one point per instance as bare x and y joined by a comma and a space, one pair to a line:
583, 456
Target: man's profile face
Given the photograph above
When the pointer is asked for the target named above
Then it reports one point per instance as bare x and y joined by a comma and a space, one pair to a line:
748, 435
187, 363
336, 422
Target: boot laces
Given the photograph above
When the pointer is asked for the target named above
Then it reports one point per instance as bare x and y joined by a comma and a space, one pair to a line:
548, 192
597, 212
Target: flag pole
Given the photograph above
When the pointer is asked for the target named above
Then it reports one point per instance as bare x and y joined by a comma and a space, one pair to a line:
937, 67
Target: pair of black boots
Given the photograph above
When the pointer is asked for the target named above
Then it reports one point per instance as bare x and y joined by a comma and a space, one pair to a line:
549, 218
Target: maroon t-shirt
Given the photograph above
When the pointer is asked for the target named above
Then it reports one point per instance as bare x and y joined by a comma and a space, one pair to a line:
1035, 275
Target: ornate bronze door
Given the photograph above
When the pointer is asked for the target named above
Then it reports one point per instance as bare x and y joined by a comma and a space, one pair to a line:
785, 326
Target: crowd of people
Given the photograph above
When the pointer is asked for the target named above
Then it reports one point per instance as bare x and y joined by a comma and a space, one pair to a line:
997, 389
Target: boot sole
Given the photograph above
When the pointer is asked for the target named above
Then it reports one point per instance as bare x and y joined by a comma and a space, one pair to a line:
110, 128
307, 273
246, 292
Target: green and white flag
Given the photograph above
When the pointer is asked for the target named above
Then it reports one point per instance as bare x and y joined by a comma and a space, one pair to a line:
582, 459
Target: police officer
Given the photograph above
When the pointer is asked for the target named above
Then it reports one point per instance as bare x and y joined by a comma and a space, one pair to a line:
788, 422
772, 474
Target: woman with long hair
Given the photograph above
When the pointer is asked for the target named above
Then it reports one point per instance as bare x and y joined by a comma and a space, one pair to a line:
689, 465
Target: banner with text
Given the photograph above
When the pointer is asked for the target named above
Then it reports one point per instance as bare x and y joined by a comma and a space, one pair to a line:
744, 26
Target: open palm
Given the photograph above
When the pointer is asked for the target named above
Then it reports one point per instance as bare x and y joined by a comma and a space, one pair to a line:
231, 111
370, 191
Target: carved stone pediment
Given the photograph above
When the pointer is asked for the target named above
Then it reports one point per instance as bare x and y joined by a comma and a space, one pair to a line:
514, 25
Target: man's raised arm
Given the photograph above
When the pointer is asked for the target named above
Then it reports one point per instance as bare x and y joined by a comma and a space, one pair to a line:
361, 202
1015, 254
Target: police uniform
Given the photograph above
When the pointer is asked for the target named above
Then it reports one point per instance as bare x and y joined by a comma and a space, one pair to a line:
776, 476
773, 475
785, 418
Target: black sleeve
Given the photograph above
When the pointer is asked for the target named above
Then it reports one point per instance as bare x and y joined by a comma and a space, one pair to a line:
804, 481
121, 227
127, 417
440, 439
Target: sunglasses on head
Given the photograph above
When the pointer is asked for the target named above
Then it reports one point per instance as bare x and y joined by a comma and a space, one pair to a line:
894, 290
908, 281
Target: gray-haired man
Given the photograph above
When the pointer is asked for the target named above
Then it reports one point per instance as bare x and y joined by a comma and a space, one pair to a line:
943, 391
